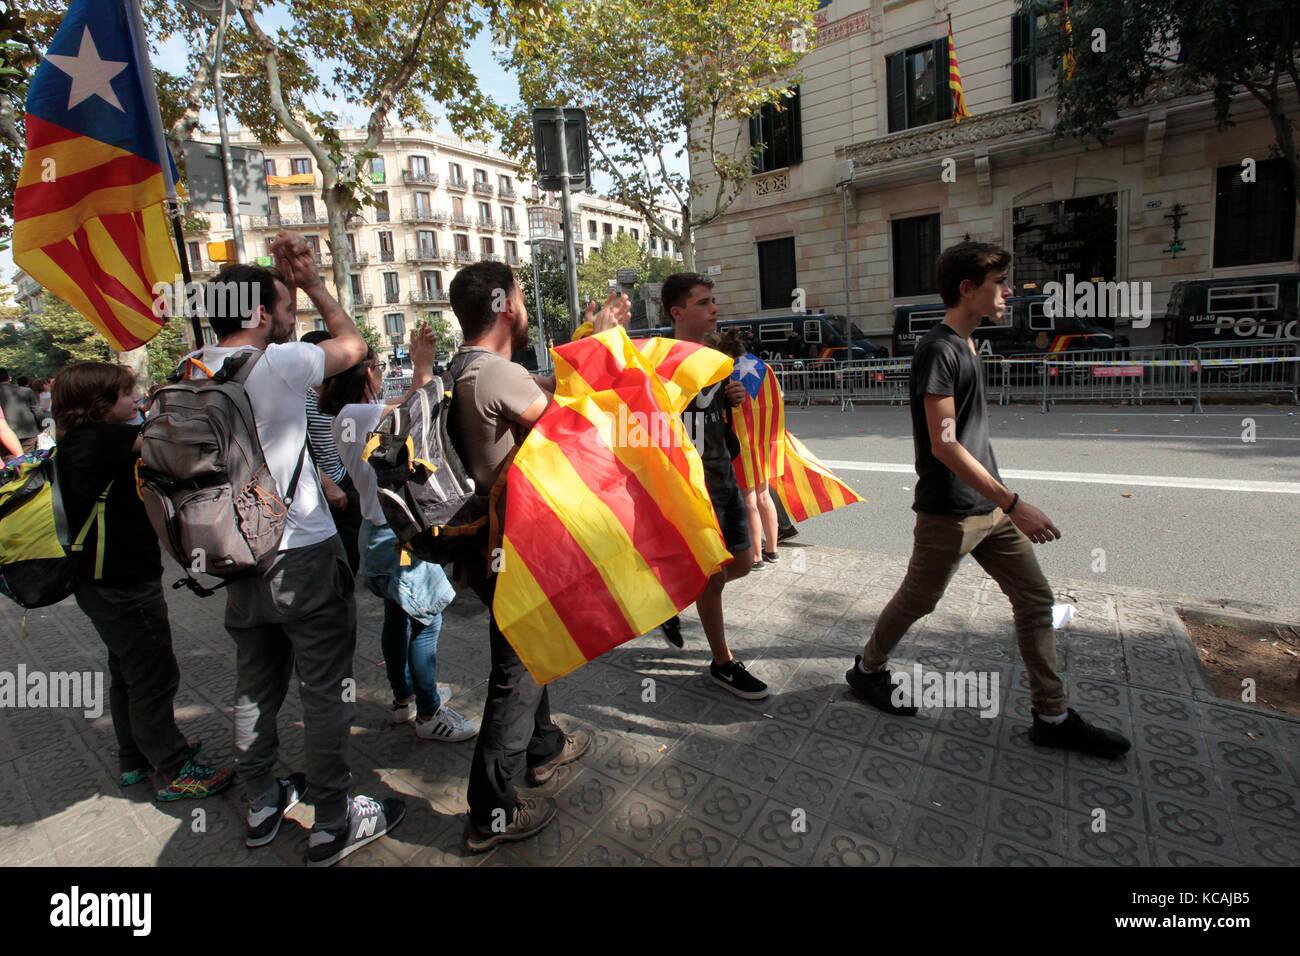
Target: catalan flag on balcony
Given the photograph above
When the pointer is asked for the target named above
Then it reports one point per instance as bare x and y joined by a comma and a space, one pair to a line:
1068, 62
297, 179
609, 529
959, 111
807, 487
759, 424
89, 220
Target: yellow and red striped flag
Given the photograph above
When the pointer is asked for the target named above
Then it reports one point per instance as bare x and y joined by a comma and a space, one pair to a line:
609, 529
1068, 62
959, 111
759, 424
808, 488
89, 223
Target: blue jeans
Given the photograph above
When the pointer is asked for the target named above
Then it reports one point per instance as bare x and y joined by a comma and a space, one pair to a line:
414, 598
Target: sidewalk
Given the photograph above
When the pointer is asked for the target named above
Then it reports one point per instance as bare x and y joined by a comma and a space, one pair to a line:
684, 774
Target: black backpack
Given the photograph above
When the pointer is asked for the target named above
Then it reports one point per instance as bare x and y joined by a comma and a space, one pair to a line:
428, 497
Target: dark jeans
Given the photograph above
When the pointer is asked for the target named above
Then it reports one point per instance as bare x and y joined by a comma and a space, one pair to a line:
301, 613
347, 521
516, 731
132, 622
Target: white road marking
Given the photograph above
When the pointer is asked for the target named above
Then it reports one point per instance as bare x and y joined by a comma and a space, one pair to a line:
1097, 478
1230, 437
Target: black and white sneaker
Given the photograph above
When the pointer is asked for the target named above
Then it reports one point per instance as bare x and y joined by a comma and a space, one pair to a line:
264, 824
672, 631
733, 676
877, 689
1075, 733
368, 820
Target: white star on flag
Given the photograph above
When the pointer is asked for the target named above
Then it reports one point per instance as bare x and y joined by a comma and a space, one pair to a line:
746, 366
91, 76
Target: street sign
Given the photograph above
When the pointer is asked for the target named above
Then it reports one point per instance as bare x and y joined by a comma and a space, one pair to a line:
546, 142
207, 187
626, 276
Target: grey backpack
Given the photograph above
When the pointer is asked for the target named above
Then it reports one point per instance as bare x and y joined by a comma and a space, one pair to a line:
206, 487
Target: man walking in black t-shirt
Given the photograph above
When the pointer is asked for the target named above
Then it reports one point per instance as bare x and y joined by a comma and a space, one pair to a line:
963, 508
688, 300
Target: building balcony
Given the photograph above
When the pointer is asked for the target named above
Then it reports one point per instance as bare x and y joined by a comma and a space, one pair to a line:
460, 219
363, 300
486, 222
482, 189
306, 305
428, 297
414, 176
490, 257
510, 227
392, 297
421, 214
203, 269
507, 192
386, 255
354, 259
464, 257
514, 261
425, 254
457, 186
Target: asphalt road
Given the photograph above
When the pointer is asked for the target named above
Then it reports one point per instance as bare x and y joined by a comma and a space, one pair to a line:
1177, 501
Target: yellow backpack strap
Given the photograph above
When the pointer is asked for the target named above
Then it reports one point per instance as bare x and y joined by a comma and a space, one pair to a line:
98, 518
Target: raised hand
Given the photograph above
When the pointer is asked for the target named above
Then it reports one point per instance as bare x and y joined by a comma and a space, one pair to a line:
295, 259
617, 310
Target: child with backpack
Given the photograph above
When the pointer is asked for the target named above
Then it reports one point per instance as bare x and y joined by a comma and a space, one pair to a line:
414, 593
118, 578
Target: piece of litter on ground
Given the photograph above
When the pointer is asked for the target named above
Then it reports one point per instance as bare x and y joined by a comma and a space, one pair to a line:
1126, 494
936, 803
1251, 736
768, 716
1062, 614
662, 748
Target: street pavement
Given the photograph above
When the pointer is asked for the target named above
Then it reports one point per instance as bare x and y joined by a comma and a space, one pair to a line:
1198, 510
684, 774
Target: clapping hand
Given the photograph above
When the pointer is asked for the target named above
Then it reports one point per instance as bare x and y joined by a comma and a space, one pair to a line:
424, 348
616, 311
295, 259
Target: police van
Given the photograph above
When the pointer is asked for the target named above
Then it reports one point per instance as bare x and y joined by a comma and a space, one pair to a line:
1030, 330
822, 334
1250, 310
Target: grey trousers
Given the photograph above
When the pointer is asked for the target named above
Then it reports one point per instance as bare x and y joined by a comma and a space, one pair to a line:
301, 613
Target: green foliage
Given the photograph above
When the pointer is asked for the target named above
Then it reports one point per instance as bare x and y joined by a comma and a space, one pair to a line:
555, 298
442, 331
166, 349
1226, 46
371, 335
54, 337
652, 73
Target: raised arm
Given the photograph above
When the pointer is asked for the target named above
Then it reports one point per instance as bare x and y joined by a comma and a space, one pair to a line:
297, 264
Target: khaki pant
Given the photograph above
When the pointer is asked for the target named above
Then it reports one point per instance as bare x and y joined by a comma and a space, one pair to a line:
941, 541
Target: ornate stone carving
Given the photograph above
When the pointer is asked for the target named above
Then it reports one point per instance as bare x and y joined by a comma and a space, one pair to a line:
771, 183
908, 143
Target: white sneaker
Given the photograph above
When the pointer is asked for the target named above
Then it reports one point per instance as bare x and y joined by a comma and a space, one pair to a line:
446, 725
404, 713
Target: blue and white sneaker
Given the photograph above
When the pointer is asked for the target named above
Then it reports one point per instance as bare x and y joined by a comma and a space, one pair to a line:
368, 820
264, 824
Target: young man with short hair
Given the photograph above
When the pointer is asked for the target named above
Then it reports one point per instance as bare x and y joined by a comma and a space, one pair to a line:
21, 410
962, 507
688, 301
301, 613
496, 402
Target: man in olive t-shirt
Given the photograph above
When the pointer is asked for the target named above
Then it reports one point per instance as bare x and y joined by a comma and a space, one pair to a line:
963, 508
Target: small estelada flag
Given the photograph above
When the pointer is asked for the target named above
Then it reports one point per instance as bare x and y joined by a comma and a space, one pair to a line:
807, 487
759, 424
1068, 62
959, 110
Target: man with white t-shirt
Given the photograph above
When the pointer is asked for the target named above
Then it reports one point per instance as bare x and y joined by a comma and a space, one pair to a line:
300, 613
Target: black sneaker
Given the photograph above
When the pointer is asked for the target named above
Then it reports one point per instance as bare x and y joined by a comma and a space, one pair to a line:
368, 820
264, 824
1075, 733
756, 566
672, 631
531, 815
733, 676
785, 534
877, 689
575, 745
771, 556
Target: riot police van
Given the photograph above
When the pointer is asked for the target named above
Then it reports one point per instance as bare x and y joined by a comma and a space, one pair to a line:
1031, 330
821, 337
1250, 310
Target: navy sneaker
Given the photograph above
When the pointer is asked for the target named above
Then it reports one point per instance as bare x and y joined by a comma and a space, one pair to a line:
877, 689
368, 820
1075, 733
264, 824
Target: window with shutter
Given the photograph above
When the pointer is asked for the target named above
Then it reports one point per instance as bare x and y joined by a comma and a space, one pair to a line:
776, 273
1254, 222
1024, 68
915, 254
778, 128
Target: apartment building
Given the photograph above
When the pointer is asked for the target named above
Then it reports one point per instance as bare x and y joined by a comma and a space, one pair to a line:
443, 202
865, 177
27, 292
598, 219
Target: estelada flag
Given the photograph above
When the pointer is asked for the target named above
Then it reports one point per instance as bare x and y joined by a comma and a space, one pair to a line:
807, 487
959, 111
1068, 63
759, 424
89, 223
609, 529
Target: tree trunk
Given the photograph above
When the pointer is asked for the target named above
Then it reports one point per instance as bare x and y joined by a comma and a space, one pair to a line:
686, 240
338, 240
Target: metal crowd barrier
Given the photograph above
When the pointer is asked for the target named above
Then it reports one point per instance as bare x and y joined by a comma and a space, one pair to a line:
1135, 375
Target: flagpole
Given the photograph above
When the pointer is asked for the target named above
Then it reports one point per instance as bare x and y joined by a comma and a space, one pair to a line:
135, 21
